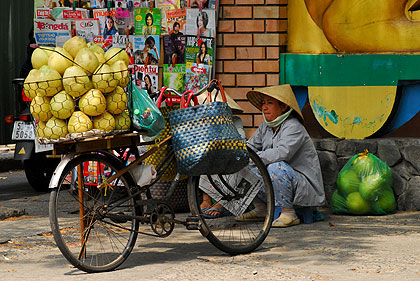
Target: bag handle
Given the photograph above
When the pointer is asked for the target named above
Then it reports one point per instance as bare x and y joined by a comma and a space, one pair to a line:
211, 87
159, 101
171, 99
190, 96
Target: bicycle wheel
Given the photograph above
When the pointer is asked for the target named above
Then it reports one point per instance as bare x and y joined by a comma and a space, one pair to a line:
226, 233
81, 215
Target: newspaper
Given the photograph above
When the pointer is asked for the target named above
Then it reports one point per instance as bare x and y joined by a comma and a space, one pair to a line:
244, 182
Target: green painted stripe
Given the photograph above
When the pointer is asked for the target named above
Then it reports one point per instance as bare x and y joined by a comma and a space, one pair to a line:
348, 70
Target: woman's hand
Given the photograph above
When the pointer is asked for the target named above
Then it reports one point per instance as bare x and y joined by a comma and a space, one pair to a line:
157, 53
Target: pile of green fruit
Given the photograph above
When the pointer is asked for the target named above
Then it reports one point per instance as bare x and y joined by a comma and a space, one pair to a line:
364, 187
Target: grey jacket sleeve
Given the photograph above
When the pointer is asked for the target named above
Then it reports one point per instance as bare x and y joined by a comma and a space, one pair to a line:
286, 143
255, 142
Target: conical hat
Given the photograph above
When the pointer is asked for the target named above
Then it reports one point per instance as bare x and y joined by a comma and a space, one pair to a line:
231, 103
283, 93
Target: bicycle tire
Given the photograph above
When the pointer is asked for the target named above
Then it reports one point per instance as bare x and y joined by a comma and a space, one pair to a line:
226, 233
107, 245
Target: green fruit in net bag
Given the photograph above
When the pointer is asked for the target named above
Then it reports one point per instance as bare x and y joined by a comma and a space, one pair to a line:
386, 203
357, 205
339, 203
371, 186
347, 182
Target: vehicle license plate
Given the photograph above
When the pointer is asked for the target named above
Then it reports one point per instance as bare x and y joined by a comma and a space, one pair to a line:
23, 131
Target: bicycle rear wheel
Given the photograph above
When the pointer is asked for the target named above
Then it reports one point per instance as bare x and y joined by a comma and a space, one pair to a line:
226, 233
84, 220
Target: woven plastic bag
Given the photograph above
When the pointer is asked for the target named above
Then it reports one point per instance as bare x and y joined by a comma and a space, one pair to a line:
146, 115
364, 187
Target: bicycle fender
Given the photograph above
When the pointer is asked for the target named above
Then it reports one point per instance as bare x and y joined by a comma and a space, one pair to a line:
59, 170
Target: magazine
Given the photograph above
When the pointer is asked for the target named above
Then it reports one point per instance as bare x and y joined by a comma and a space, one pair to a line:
116, 41
48, 4
166, 5
174, 76
174, 49
176, 20
144, 4
201, 23
205, 4
47, 32
60, 13
121, 4
103, 3
101, 15
200, 51
197, 76
147, 21
43, 13
87, 28
146, 75
146, 49
124, 21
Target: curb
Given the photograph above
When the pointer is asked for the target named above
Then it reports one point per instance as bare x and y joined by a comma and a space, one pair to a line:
11, 212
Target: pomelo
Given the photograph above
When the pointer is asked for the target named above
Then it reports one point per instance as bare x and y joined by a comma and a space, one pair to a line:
357, 205
62, 105
93, 103
40, 108
30, 85
114, 54
339, 203
386, 203
49, 81
104, 122
87, 60
76, 82
95, 48
371, 186
103, 79
364, 165
347, 182
40, 129
122, 121
79, 123
60, 60
55, 128
121, 72
74, 45
40, 57
116, 101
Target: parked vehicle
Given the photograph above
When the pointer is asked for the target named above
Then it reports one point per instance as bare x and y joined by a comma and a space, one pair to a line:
37, 164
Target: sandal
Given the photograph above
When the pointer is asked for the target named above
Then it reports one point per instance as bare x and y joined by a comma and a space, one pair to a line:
251, 216
220, 213
284, 221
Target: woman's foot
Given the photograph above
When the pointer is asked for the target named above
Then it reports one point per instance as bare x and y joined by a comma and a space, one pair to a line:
215, 211
206, 203
257, 214
287, 218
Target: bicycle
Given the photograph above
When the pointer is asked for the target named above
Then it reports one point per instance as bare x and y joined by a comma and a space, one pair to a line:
95, 215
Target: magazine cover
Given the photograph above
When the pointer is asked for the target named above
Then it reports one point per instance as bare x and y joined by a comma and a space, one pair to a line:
174, 76
176, 20
147, 22
87, 28
146, 49
174, 49
124, 21
103, 15
116, 41
60, 13
166, 5
103, 3
205, 4
43, 13
144, 4
47, 32
200, 51
196, 76
49, 4
121, 4
201, 23
146, 77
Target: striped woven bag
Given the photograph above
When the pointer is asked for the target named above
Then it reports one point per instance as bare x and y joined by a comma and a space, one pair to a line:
205, 140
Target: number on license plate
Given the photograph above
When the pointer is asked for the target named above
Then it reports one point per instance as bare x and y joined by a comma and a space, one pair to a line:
23, 131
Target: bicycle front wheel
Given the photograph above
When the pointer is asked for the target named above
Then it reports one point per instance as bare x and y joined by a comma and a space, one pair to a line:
226, 232
88, 223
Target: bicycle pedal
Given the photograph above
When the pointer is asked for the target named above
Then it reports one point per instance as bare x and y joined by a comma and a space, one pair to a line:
192, 219
192, 227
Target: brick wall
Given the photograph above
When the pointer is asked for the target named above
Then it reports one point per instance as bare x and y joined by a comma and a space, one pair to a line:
250, 36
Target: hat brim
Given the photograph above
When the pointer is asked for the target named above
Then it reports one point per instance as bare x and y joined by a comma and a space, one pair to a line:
283, 93
230, 101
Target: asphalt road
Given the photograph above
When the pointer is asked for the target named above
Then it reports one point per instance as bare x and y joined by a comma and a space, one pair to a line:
339, 248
